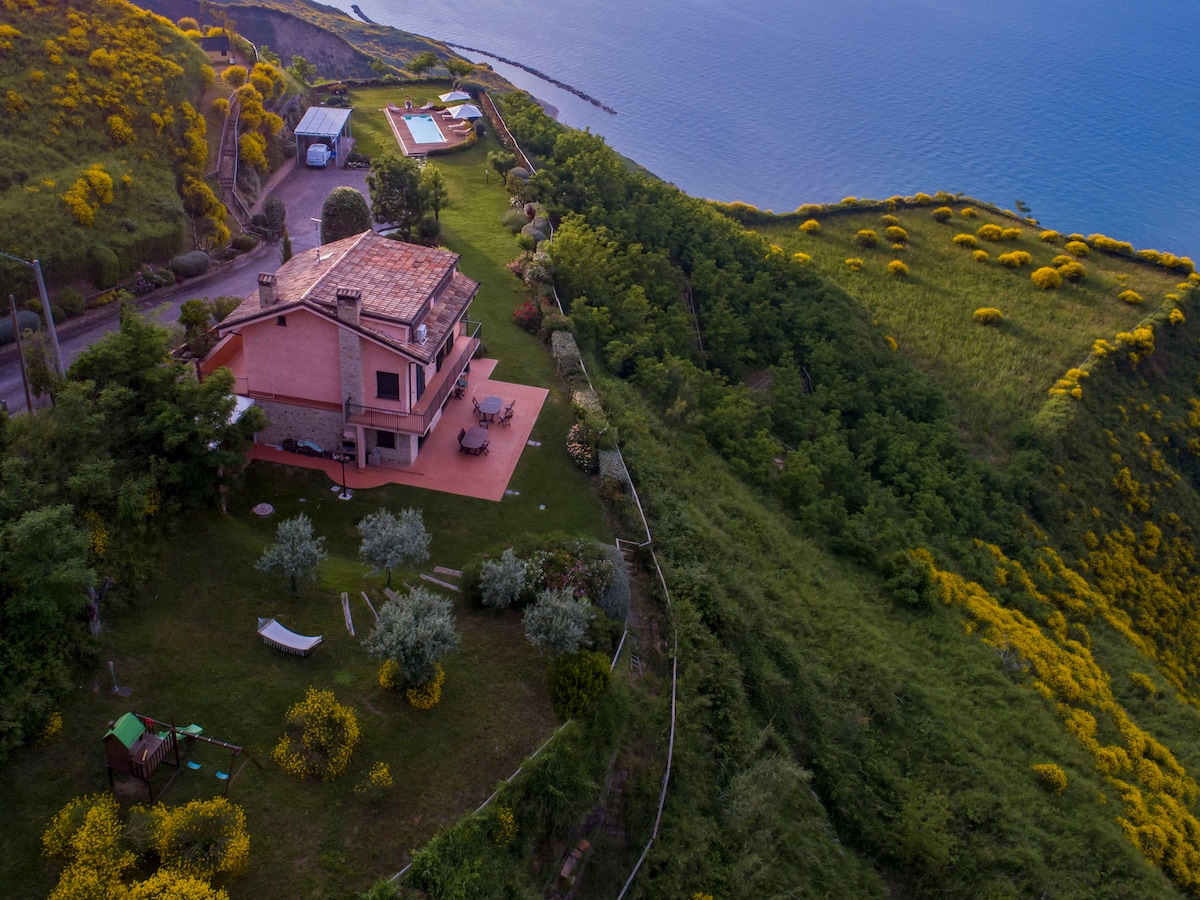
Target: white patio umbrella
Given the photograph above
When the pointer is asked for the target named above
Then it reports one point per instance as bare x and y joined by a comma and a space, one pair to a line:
466, 111
454, 97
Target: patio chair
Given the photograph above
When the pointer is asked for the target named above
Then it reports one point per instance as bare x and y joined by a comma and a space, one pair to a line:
462, 433
508, 409
483, 448
475, 403
506, 419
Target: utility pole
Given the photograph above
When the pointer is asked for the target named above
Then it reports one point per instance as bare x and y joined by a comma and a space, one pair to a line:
51, 330
12, 303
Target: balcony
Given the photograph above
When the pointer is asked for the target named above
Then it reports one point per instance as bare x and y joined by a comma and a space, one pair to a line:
420, 417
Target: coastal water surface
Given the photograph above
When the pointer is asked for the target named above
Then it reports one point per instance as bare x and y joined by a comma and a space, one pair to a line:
1087, 112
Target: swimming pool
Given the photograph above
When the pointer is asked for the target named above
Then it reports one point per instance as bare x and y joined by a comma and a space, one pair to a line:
424, 130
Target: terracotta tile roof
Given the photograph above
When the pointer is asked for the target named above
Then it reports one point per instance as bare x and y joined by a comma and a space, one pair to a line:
398, 282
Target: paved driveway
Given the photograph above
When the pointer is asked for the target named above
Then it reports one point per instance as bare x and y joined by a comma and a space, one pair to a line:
302, 190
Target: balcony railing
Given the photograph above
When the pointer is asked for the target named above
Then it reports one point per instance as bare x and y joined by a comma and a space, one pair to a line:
418, 420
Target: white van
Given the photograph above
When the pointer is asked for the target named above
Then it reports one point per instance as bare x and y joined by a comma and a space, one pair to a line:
318, 156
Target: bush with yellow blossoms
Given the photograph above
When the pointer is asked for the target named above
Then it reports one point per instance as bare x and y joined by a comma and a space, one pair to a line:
942, 214
990, 232
1046, 278
810, 226
1050, 236
321, 737
1015, 259
1071, 270
1077, 248
855, 264
968, 212
988, 315
966, 240
1052, 777
897, 268
201, 839
428, 694
376, 783
1010, 234
980, 256
897, 234
1133, 298
866, 237
504, 827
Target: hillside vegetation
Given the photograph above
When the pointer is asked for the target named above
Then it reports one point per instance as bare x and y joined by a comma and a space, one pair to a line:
101, 124
987, 677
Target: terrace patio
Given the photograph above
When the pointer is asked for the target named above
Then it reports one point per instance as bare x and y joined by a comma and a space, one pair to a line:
454, 132
440, 466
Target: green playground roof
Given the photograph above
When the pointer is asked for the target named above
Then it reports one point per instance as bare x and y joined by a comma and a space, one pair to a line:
128, 729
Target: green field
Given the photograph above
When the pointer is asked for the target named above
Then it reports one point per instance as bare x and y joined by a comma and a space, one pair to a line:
995, 377
187, 644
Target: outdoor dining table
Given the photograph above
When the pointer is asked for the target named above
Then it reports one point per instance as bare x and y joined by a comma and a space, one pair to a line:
489, 406
474, 439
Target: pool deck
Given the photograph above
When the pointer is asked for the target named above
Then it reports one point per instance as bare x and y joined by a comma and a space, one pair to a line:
452, 130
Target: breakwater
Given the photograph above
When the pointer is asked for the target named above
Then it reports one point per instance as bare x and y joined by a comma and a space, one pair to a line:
362, 15
542, 75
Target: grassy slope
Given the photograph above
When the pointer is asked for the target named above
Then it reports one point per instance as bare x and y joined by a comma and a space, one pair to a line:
995, 377
190, 652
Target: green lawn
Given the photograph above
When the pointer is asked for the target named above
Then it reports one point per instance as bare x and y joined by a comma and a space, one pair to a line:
187, 644
996, 377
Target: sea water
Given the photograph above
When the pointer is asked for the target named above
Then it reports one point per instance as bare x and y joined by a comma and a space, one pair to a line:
1087, 113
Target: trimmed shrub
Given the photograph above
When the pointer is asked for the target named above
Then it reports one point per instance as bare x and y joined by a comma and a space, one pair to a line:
190, 265
57, 314
1050, 237
866, 237
1046, 278
889, 219
71, 301
243, 243
897, 234
810, 226
344, 213
1071, 270
990, 232
897, 268
275, 213
1133, 298
988, 315
1077, 248
1015, 259
942, 214
968, 212
29, 321
980, 256
966, 240
104, 269
575, 681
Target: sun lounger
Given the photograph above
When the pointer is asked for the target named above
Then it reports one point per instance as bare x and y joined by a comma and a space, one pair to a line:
275, 635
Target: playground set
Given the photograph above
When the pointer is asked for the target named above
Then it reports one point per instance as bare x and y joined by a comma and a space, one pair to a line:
137, 745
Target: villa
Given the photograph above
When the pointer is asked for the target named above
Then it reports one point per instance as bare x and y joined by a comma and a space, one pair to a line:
356, 347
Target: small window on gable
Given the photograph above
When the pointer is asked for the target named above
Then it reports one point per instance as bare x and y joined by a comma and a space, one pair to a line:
385, 439
281, 320
387, 385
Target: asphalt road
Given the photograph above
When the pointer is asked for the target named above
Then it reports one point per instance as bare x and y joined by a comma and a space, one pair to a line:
302, 190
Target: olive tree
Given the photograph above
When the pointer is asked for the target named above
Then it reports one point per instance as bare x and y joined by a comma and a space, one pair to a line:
502, 580
296, 552
390, 541
557, 623
422, 62
415, 631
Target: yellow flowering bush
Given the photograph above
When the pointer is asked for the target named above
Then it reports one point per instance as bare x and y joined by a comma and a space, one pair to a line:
428, 694
889, 219
897, 268
849, 201
897, 234
504, 829
968, 212
866, 237
980, 256
98, 542
1050, 236
1046, 278
1077, 248
1133, 298
855, 264
1108, 245
169, 885
988, 315
1071, 270
803, 258
88, 834
1143, 683
990, 232
1176, 317
322, 734
378, 780
1015, 259
966, 240
54, 727
1010, 234
810, 226
389, 675
1053, 778
202, 838
809, 209
1069, 384
942, 214
891, 342
922, 199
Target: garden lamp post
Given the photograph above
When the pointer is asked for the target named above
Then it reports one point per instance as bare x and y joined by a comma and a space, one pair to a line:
37, 274
345, 494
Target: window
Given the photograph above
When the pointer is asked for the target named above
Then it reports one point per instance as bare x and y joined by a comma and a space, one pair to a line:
385, 439
387, 385
281, 320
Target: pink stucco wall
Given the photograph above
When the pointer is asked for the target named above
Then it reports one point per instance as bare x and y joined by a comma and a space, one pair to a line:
297, 360
379, 359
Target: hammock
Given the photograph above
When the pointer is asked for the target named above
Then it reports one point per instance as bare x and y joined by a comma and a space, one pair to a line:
275, 635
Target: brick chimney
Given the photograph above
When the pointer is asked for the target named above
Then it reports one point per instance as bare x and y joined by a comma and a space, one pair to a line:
266, 289
349, 305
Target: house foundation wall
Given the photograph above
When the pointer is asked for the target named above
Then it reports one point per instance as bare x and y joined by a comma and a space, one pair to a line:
321, 426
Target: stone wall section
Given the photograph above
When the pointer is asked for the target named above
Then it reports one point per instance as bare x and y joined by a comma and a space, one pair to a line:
350, 363
284, 420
